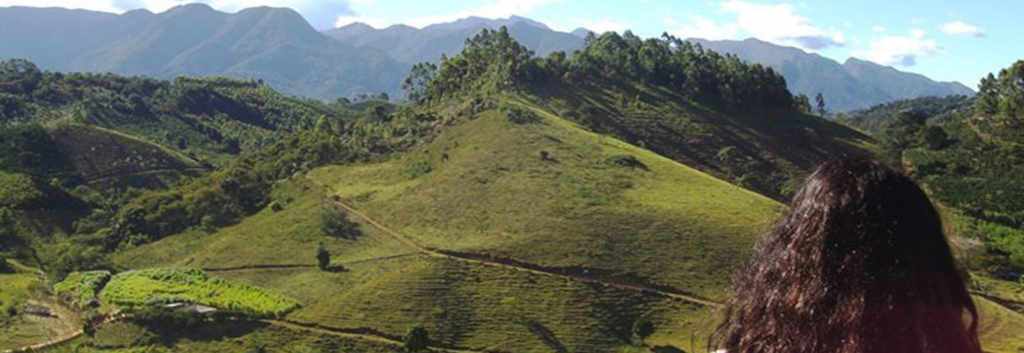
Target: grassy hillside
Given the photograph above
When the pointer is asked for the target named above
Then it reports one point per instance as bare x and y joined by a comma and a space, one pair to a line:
484, 188
656, 223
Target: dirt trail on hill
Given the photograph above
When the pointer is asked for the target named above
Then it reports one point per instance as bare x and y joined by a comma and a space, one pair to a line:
364, 334
523, 266
66, 338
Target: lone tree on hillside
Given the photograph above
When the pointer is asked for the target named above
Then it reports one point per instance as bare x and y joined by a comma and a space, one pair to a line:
416, 339
819, 100
323, 257
642, 328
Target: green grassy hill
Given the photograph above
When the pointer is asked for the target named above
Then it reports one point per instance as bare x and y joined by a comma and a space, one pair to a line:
482, 190
500, 213
481, 187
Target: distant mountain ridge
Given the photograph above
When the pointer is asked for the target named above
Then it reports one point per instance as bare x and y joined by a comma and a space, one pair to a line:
278, 46
855, 84
411, 45
273, 44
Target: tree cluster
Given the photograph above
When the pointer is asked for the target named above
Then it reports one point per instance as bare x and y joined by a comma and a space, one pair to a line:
493, 61
1003, 96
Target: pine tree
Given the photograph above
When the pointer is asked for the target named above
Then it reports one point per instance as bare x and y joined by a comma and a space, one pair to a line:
820, 102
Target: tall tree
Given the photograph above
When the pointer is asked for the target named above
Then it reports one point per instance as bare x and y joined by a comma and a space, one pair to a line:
415, 85
323, 257
819, 101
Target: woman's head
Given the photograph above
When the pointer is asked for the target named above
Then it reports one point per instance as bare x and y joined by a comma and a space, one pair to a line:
858, 264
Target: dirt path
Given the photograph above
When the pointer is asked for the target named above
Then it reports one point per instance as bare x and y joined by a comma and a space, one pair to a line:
114, 316
357, 334
535, 269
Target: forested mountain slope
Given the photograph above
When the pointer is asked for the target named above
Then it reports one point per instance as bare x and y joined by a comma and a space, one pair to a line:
854, 84
274, 45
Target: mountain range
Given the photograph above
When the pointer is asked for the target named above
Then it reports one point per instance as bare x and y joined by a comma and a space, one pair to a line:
852, 85
272, 44
278, 46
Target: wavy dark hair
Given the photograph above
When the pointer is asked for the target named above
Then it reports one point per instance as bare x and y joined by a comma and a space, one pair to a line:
858, 264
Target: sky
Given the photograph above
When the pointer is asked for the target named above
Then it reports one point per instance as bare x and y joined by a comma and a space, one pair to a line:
944, 40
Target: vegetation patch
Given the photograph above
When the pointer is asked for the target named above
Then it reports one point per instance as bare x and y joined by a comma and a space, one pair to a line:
141, 287
519, 115
626, 160
82, 288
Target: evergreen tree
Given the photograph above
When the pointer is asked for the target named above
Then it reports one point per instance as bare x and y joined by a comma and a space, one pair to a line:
819, 100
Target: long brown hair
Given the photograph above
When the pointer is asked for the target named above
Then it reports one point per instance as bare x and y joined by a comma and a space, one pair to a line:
858, 264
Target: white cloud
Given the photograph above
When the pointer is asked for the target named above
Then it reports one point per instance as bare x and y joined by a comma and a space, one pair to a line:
777, 23
900, 50
878, 29
704, 28
957, 28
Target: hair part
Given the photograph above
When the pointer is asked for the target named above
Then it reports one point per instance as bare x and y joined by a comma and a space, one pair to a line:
858, 264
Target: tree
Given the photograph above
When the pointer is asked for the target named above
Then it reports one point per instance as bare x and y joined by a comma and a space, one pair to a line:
89, 326
935, 137
415, 85
335, 223
416, 340
322, 125
323, 257
642, 328
19, 75
3, 264
819, 101
802, 103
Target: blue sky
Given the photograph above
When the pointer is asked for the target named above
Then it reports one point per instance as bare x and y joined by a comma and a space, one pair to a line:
944, 40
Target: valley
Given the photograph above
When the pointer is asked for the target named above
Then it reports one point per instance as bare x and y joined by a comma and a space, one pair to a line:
509, 202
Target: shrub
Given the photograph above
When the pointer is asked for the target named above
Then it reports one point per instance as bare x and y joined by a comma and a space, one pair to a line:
416, 340
3, 265
544, 155
12, 310
82, 287
335, 223
419, 169
626, 160
642, 328
276, 206
519, 115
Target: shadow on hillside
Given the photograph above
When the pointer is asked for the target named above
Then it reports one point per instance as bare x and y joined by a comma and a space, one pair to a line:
336, 269
666, 349
546, 335
169, 336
